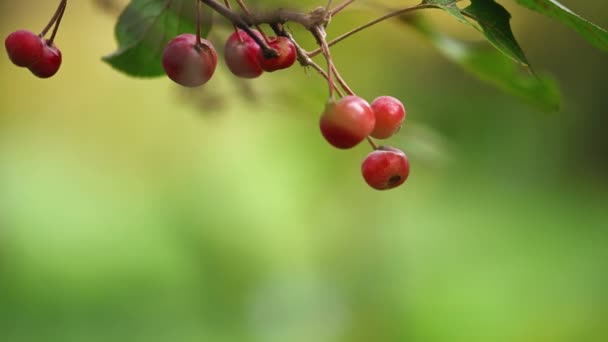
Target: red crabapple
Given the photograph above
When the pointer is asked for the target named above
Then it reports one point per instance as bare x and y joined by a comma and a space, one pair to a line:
385, 168
241, 54
286, 58
49, 62
347, 121
23, 47
389, 113
188, 61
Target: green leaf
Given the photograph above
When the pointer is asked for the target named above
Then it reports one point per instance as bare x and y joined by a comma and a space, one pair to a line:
494, 22
145, 27
593, 33
492, 66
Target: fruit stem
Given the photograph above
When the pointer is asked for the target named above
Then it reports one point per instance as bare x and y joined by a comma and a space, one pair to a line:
319, 33
278, 29
372, 143
63, 6
58, 12
257, 26
371, 23
342, 82
303, 59
240, 23
326, 76
236, 29
199, 43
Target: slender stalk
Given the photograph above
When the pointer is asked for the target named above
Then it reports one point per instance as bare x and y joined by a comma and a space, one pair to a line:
325, 75
371, 23
199, 42
342, 82
257, 26
236, 29
58, 12
57, 23
372, 143
278, 29
320, 35
240, 23
341, 6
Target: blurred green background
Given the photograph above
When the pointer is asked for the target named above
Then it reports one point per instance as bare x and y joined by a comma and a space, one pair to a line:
131, 210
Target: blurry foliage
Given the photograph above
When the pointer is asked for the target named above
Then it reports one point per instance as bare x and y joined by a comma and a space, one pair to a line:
492, 66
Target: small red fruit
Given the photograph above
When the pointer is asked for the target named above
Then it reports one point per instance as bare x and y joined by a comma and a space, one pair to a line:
49, 62
385, 168
24, 47
287, 55
346, 122
241, 54
188, 61
389, 113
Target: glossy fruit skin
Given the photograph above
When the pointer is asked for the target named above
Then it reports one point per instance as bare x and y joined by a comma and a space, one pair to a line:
385, 168
390, 114
241, 55
287, 55
188, 63
24, 48
48, 65
347, 121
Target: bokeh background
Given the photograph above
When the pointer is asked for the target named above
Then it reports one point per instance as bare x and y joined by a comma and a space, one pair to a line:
132, 210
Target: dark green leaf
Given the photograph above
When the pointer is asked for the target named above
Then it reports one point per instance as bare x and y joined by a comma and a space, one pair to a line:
145, 27
595, 34
492, 66
494, 21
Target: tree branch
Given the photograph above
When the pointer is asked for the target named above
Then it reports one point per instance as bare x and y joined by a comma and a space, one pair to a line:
242, 24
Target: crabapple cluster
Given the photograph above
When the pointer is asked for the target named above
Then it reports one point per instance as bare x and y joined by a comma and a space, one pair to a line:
245, 58
28, 50
191, 61
350, 120
34, 52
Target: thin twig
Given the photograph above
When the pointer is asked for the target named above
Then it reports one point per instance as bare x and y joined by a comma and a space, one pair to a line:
371, 23
240, 23
306, 61
340, 7
257, 26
